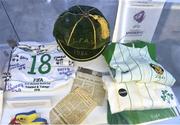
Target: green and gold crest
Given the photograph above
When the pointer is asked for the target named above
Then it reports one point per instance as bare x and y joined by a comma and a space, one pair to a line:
157, 69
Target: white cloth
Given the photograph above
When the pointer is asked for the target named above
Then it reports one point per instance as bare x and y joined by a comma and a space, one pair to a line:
138, 96
135, 64
38, 67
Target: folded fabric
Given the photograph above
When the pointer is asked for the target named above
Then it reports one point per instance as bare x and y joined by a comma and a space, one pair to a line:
144, 116
136, 96
39, 121
28, 118
37, 67
135, 64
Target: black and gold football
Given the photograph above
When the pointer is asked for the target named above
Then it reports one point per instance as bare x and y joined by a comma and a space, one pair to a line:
82, 32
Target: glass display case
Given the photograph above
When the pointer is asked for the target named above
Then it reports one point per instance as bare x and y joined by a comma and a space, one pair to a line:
25, 21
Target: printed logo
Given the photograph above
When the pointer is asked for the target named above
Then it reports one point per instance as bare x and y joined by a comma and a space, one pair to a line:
37, 84
139, 17
166, 96
157, 69
122, 92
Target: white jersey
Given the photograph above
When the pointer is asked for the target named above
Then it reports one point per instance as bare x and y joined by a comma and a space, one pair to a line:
138, 96
129, 64
36, 67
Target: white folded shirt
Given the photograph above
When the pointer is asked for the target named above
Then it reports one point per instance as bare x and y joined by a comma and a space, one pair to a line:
135, 64
138, 96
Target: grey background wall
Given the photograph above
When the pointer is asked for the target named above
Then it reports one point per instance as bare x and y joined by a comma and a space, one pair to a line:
167, 39
34, 19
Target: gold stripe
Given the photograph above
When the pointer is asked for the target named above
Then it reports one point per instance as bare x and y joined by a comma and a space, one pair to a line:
91, 9
77, 58
94, 33
80, 9
104, 25
74, 14
74, 29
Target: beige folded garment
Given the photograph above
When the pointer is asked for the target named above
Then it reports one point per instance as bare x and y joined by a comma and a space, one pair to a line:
73, 109
138, 96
